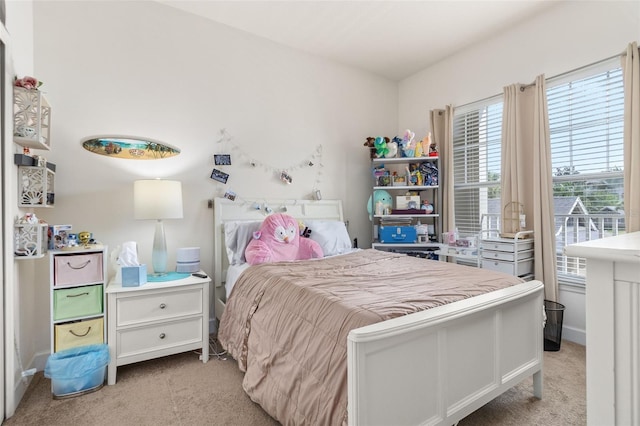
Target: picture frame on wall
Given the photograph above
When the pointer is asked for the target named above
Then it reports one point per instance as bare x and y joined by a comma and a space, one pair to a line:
219, 175
222, 159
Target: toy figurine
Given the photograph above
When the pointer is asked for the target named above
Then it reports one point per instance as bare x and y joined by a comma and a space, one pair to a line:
427, 207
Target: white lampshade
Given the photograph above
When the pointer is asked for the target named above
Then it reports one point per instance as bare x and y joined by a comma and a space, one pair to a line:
157, 199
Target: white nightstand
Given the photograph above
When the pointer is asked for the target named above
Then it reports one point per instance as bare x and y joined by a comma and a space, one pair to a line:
157, 319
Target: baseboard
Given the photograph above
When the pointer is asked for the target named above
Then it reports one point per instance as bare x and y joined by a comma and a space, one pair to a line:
574, 335
22, 383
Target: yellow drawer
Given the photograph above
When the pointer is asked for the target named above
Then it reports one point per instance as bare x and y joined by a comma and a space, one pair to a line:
77, 302
78, 269
79, 333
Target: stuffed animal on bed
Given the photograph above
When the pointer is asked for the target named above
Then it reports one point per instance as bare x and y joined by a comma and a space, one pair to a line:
278, 239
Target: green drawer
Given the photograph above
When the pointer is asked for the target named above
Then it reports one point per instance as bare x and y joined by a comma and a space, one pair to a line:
77, 302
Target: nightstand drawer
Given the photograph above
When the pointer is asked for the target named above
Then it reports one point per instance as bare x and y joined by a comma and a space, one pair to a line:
80, 333
160, 305
77, 269
77, 302
140, 340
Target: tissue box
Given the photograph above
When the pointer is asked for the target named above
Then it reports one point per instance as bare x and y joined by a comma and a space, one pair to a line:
134, 276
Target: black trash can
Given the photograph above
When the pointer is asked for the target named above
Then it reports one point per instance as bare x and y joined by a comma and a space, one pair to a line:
553, 325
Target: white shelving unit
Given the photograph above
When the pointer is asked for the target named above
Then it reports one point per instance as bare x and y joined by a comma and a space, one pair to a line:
426, 190
77, 288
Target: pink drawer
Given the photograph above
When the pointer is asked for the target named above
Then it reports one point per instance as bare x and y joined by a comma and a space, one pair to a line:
77, 269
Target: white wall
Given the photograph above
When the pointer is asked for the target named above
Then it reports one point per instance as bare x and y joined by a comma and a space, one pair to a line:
142, 68
562, 38
567, 36
16, 314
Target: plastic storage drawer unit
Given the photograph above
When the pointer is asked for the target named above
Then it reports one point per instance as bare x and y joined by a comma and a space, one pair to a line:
77, 302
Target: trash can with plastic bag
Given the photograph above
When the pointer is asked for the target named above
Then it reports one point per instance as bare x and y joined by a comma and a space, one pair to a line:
78, 370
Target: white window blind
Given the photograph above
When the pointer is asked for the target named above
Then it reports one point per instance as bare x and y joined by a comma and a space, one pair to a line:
586, 131
477, 132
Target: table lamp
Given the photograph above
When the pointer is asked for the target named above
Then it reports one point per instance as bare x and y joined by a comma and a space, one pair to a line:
158, 199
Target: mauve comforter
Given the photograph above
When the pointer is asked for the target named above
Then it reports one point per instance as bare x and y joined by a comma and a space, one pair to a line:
287, 323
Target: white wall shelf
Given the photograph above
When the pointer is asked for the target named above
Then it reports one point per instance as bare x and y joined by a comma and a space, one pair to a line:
30, 241
31, 119
35, 186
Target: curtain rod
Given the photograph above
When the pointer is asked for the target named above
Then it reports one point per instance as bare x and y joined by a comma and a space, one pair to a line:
551, 78
526, 86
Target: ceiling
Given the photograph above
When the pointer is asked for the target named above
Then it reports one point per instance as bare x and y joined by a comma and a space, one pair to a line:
394, 39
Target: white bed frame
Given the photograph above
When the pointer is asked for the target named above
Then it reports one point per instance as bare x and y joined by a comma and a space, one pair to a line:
430, 368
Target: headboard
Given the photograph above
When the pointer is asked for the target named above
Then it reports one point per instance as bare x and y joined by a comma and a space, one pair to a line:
227, 210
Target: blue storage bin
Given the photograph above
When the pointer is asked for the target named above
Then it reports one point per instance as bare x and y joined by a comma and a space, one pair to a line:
397, 234
77, 370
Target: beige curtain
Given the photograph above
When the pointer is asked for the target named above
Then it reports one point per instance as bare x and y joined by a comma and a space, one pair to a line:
526, 175
631, 75
441, 121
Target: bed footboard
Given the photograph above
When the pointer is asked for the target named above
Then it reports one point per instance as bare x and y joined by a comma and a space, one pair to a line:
438, 366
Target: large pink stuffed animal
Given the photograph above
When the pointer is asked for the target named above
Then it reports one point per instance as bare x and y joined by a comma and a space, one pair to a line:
279, 239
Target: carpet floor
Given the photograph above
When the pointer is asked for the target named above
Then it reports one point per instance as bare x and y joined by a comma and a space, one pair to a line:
181, 390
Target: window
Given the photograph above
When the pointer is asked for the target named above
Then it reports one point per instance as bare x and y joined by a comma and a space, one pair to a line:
586, 131
477, 133
586, 111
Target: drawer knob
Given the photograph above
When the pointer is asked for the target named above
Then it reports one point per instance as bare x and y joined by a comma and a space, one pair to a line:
162, 306
162, 335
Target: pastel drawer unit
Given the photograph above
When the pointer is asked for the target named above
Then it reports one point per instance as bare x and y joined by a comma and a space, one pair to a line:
80, 333
520, 268
77, 269
508, 246
137, 341
77, 302
158, 306
507, 256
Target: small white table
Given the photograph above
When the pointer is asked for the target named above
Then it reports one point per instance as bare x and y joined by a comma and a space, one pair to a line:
156, 319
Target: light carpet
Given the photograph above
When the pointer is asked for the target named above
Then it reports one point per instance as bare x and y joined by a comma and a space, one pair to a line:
181, 390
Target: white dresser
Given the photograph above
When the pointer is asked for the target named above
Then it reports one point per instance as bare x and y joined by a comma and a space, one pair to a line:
157, 319
613, 328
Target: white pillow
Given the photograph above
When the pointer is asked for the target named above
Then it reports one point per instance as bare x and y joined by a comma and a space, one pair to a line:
237, 235
332, 235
